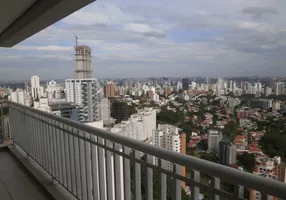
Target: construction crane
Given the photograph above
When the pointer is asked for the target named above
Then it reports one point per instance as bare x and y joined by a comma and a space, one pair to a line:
76, 38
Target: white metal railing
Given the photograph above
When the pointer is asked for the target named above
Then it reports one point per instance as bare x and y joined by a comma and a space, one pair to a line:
95, 164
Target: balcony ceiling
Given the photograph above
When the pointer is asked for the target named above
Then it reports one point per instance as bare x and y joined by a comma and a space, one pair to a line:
20, 19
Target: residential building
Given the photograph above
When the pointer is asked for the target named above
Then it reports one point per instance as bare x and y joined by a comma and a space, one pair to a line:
282, 172
214, 137
35, 87
149, 94
148, 115
42, 104
119, 111
104, 109
227, 153
268, 91
185, 83
242, 114
55, 92
83, 93
168, 137
109, 90
134, 129
18, 96
66, 110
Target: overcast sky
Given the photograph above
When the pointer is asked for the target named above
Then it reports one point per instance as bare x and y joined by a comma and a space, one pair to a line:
132, 38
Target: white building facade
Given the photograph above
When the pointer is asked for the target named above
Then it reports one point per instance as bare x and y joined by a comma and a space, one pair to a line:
83, 92
18, 96
104, 109
35, 87
214, 137
168, 137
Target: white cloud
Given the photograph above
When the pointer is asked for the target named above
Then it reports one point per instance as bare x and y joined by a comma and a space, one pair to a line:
44, 48
144, 38
255, 26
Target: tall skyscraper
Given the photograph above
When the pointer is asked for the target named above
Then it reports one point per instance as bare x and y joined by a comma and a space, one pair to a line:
185, 83
83, 91
109, 90
83, 62
227, 153
35, 87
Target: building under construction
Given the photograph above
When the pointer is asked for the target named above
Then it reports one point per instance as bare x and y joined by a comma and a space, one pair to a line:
83, 62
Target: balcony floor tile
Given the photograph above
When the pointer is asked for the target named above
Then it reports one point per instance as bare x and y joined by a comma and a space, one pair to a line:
15, 181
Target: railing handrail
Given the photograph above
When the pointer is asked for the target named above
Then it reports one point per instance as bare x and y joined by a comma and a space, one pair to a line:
234, 176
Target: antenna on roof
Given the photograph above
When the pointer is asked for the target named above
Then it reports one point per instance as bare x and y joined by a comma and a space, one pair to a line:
76, 38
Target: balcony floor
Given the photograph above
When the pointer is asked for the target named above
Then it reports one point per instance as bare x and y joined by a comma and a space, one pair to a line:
15, 181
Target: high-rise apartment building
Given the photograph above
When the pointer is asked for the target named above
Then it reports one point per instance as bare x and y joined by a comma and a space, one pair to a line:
148, 116
35, 87
168, 137
104, 109
109, 90
272, 83
83, 92
18, 96
230, 86
268, 91
185, 83
227, 153
214, 137
83, 62
119, 111
66, 110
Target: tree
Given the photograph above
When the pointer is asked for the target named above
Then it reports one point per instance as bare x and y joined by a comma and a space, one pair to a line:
170, 117
274, 144
210, 157
247, 161
203, 145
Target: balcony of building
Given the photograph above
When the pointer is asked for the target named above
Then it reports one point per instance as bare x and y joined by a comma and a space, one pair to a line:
60, 158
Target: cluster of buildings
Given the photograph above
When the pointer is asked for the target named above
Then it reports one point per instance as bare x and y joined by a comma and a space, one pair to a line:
223, 87
223, 148
83, 99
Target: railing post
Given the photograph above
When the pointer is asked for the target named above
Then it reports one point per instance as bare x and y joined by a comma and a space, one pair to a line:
1, 123
195, 191
137, 177
127, 177
177, 193
265, 196
118, 171
239, 191
149, 179
163, 183
216, 184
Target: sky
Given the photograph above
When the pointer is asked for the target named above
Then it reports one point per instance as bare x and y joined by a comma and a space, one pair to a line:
154, 38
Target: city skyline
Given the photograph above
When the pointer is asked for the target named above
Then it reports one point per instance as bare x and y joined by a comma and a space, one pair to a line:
196, 38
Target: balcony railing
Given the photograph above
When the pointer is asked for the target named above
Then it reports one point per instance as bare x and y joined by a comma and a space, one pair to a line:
96, 164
